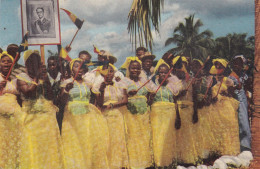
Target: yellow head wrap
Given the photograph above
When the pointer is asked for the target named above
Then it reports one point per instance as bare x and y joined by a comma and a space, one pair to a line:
127, 63
200, 62
213, 70
4, 53
159, 63
28, 53
184, 59
73, 61
174, 61
222, 61
105, 71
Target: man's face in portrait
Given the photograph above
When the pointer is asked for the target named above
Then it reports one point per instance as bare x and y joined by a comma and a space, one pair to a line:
40, 13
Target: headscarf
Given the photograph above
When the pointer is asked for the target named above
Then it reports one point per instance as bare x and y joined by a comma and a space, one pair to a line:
73, 61
107, 54
199, 61
104, 72
4, 53
242, 57
28, 53
147, 54
184, 59
159, 63
127, 63
175, 60
214, 70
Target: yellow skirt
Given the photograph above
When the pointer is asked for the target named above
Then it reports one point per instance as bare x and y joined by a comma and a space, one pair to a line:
41, 143
226, 127
10, 131
163, 116
117, 151
205, 139
186, 139
139, 139
85, 139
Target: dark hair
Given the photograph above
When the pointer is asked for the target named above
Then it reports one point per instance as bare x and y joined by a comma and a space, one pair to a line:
163, 65
12, 49
1, 50
40, 8
141, 48
85, 52
52, 58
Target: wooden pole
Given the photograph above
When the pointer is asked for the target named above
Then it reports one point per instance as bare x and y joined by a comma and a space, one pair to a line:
42, 54
73, 37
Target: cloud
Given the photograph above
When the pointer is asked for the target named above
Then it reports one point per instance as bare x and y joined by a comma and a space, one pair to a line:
218, 8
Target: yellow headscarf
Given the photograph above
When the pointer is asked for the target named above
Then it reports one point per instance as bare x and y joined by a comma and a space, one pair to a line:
127, 63
213, 69
4, 53
200, 62
73, 61
28, 53
104, 72
222, 61
159, 63
174, 61
184, 59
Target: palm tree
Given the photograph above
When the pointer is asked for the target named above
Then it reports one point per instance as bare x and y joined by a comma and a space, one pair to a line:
234, 44
143, 15
256, 94
189, 41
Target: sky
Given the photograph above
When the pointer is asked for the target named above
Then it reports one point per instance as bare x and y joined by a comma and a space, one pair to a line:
106, 23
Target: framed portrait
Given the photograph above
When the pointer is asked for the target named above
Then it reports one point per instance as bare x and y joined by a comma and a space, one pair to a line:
41, 19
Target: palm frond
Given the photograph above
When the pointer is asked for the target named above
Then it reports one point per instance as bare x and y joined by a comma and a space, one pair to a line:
143, 16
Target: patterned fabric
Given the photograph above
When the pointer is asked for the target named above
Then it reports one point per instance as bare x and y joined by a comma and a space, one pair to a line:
84, 130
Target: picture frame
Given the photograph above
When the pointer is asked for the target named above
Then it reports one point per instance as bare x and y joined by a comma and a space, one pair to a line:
40, 18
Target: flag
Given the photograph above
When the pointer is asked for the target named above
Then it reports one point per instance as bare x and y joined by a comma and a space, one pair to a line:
96, 50
64, 54
24, 45
74, 18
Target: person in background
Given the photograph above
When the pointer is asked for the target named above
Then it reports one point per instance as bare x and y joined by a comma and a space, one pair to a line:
140, 51
12, 49
1, 50
239, 79
147, 68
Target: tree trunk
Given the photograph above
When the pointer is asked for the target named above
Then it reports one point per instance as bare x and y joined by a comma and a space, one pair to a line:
256, 118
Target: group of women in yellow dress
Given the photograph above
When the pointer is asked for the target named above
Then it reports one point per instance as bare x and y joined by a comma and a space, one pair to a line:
79, 115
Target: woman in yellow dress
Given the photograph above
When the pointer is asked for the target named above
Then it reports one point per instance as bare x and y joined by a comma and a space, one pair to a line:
202, 94
41, 142
84, 129
226, 115
163, 117
186, 140
112, 99
138, 117
10, 116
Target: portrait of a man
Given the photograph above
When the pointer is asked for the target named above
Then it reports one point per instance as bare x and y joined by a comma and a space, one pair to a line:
42, 24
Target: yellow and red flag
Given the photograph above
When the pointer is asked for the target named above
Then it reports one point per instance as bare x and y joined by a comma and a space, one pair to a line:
96, 50
64, 54
74, 18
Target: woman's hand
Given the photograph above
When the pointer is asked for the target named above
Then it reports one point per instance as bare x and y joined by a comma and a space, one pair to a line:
151, 98
3, 84
132, 92
69, 86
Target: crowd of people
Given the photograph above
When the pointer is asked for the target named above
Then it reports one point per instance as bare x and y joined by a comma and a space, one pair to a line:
90, 114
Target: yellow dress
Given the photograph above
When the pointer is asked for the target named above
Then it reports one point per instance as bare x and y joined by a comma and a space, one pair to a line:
117, 151
163, 116
41, 143
10, 126
84, 131
138, 126
226, 121
186, 139
205, 139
